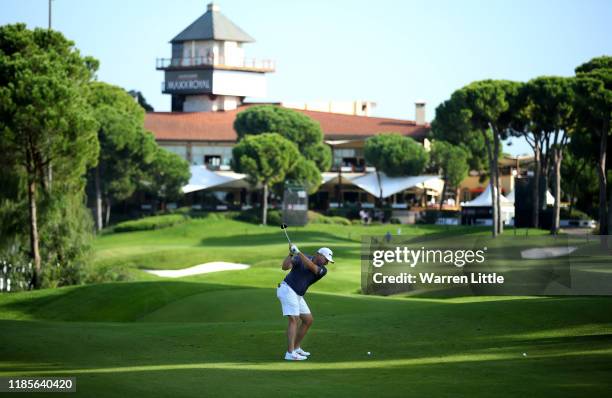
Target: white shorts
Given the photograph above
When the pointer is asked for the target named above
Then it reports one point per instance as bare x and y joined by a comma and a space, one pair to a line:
290, 301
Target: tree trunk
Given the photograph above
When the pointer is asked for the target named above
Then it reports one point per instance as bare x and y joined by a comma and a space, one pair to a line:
443, 192
574, 187
558, 157
457, 197
572, 200
108, 212
609, 214
264, 210
603, 182
543, 188
98, 200
340, 194
500, 222
492, 184
494, 199
37, 276
50, 182
537, 153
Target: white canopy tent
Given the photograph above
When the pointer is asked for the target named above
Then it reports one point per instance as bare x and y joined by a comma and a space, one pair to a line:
485, 200
332, 177
202, 178
550, 199
392, 185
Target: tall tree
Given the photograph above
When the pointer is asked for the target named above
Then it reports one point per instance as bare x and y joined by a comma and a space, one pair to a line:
549, 107
395, 155
44, 117
594, 115
452, 161
486, 106
165, 176
125, 147
451, 125
265, 159
298, 128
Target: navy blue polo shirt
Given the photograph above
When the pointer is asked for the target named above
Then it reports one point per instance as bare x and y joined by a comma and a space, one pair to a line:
301, 277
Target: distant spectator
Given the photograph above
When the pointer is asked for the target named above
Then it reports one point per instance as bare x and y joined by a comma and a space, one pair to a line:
363, 216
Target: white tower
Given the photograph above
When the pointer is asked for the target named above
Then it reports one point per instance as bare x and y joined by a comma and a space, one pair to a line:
208, 71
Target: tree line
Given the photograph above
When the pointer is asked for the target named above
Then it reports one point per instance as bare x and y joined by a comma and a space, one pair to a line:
62, 135
565, 120
560, 117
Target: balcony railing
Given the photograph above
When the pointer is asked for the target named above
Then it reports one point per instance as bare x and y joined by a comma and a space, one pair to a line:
263, 65
352, 169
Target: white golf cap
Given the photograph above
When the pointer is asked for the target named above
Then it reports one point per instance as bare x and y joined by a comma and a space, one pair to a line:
327, 253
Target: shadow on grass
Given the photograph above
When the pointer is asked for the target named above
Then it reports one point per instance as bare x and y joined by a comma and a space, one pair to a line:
494, 375
106, 302
605, 339
424, 347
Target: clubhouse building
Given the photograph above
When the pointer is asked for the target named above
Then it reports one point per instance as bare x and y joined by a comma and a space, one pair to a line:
208, 78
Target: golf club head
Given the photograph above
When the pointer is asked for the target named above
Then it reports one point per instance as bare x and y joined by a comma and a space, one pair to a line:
283, 226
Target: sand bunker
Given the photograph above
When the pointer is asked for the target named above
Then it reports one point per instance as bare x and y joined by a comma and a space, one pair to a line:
206, 268
547, 252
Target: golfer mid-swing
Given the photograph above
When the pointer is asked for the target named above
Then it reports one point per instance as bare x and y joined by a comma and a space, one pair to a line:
305, 270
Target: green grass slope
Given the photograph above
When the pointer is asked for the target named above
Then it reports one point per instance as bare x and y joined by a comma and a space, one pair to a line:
222, 334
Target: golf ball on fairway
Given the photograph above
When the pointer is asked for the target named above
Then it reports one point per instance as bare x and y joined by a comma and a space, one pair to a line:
524, 354
369, 353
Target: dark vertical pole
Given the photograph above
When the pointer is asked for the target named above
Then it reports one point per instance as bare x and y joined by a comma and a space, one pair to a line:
50, 14
340, 193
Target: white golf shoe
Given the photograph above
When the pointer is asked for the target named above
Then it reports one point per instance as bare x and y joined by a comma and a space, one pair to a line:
294, 356
302, 352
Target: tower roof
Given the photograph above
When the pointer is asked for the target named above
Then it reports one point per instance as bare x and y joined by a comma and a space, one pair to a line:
213, 26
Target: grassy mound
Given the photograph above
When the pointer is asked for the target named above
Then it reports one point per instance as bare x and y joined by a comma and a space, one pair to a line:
149, 223
318, 218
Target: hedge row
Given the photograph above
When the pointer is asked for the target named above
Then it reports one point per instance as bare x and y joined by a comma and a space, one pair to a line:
149, 223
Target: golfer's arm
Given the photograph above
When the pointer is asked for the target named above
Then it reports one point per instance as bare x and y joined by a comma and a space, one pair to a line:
311, 266
287, 264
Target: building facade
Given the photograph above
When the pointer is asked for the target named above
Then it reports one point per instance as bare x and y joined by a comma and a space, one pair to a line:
208, 78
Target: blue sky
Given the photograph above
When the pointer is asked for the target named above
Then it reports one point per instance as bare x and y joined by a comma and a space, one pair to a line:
390, 52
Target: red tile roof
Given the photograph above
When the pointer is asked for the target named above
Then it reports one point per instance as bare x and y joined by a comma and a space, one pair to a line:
218, 126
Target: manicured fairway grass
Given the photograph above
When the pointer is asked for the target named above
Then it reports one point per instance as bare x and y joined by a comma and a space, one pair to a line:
222, 334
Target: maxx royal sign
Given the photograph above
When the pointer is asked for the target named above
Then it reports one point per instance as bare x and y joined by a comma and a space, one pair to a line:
198, 82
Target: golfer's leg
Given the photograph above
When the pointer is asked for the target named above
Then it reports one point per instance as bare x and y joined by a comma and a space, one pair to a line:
304, 326
291, 332
291, 309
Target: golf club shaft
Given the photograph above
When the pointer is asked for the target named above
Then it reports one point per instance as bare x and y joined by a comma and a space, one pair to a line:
285, 231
